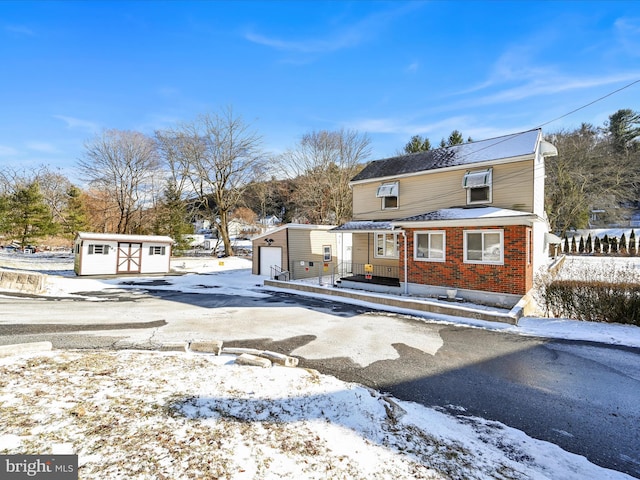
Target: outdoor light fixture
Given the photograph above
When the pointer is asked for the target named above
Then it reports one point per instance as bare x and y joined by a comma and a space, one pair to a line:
269, 240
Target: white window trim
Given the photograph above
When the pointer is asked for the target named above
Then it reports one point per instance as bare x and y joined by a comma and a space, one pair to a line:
430, 232
326, 253
478, 179
395, 244
483, 232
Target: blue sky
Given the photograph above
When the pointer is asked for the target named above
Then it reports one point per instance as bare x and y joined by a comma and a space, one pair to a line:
387, 69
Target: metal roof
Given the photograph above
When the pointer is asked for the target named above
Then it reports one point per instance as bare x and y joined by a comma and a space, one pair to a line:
507, 146
117, 237
364, 226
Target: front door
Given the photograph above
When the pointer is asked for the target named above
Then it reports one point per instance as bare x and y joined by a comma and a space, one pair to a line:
129, 257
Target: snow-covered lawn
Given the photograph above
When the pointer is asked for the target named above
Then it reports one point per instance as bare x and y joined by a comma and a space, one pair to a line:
160, 415
145, 415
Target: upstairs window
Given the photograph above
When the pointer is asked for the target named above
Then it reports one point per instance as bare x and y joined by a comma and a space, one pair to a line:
478, 184
386, 245
157, 250
388, 192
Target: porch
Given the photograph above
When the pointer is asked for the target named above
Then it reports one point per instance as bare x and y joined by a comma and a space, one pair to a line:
384, 275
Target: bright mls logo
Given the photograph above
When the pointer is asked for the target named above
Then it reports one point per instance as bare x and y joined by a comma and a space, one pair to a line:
45, 467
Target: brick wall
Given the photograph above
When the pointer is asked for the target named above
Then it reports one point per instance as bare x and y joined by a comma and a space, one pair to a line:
515, 276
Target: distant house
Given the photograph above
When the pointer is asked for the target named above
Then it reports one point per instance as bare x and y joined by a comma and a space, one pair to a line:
467, 218
114, 254
295, 251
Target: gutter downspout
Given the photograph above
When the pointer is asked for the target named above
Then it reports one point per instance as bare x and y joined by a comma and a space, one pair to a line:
406, 277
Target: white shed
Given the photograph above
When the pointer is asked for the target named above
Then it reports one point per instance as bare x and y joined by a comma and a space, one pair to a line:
114, 254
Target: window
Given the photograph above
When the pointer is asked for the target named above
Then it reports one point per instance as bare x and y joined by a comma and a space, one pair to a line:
484, 246
389, 194
326, 253
157, 250
386, 245
478, 185
429, 246
98, 249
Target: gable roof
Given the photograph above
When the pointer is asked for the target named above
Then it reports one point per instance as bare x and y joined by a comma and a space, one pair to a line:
119, 237
507, 146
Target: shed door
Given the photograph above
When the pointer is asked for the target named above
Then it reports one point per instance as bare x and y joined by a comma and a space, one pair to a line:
270, 256
129, 257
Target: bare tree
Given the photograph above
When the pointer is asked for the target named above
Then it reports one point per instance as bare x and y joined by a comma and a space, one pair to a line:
585, 175
323, 163
220, 156
122, 164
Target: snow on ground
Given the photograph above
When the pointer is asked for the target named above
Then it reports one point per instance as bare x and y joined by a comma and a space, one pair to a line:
147, 415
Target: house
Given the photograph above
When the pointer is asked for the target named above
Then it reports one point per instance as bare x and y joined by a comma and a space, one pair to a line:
295, 251
466, 221
115, 254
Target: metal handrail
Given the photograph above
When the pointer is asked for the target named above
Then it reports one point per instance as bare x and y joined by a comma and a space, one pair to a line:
277, 273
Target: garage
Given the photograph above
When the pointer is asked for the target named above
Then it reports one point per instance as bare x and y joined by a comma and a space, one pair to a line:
269, 256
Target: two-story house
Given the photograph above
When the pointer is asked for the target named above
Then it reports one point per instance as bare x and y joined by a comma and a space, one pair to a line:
466, 220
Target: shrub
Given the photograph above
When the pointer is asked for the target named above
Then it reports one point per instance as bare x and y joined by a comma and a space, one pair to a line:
593, 301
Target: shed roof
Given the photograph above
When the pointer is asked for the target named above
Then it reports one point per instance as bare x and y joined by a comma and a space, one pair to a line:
507, 146
118, 237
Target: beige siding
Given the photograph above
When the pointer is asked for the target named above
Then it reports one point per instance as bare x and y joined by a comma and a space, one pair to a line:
279, 238
364, 251
306, 248
512, 188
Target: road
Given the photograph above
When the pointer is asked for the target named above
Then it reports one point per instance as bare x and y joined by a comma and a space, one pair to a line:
581, 396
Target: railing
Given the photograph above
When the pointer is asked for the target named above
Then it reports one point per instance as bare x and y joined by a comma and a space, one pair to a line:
277, 273
349, 269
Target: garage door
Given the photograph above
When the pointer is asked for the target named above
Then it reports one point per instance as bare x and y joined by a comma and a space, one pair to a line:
270, 256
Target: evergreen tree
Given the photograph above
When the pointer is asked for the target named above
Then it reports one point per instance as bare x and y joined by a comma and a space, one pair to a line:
417, 144
172, 219
597, 246
573, 245
589, 244
75, 217
632, 243
605, 244
613, 243
566, 245
29, 217
581, 245
622, 247
624, 127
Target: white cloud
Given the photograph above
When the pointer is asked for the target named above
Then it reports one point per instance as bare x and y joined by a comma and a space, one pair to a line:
349, 35
77, 123
19, 30
7, 151
42, 147
412, 67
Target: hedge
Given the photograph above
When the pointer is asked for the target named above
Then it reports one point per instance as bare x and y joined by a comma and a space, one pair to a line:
594, 301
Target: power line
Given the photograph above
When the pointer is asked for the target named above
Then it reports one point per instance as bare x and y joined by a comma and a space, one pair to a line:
590, 103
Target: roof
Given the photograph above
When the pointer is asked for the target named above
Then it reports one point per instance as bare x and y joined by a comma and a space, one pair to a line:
363, 226
507, 146
469, 216
123, 238
294, 226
